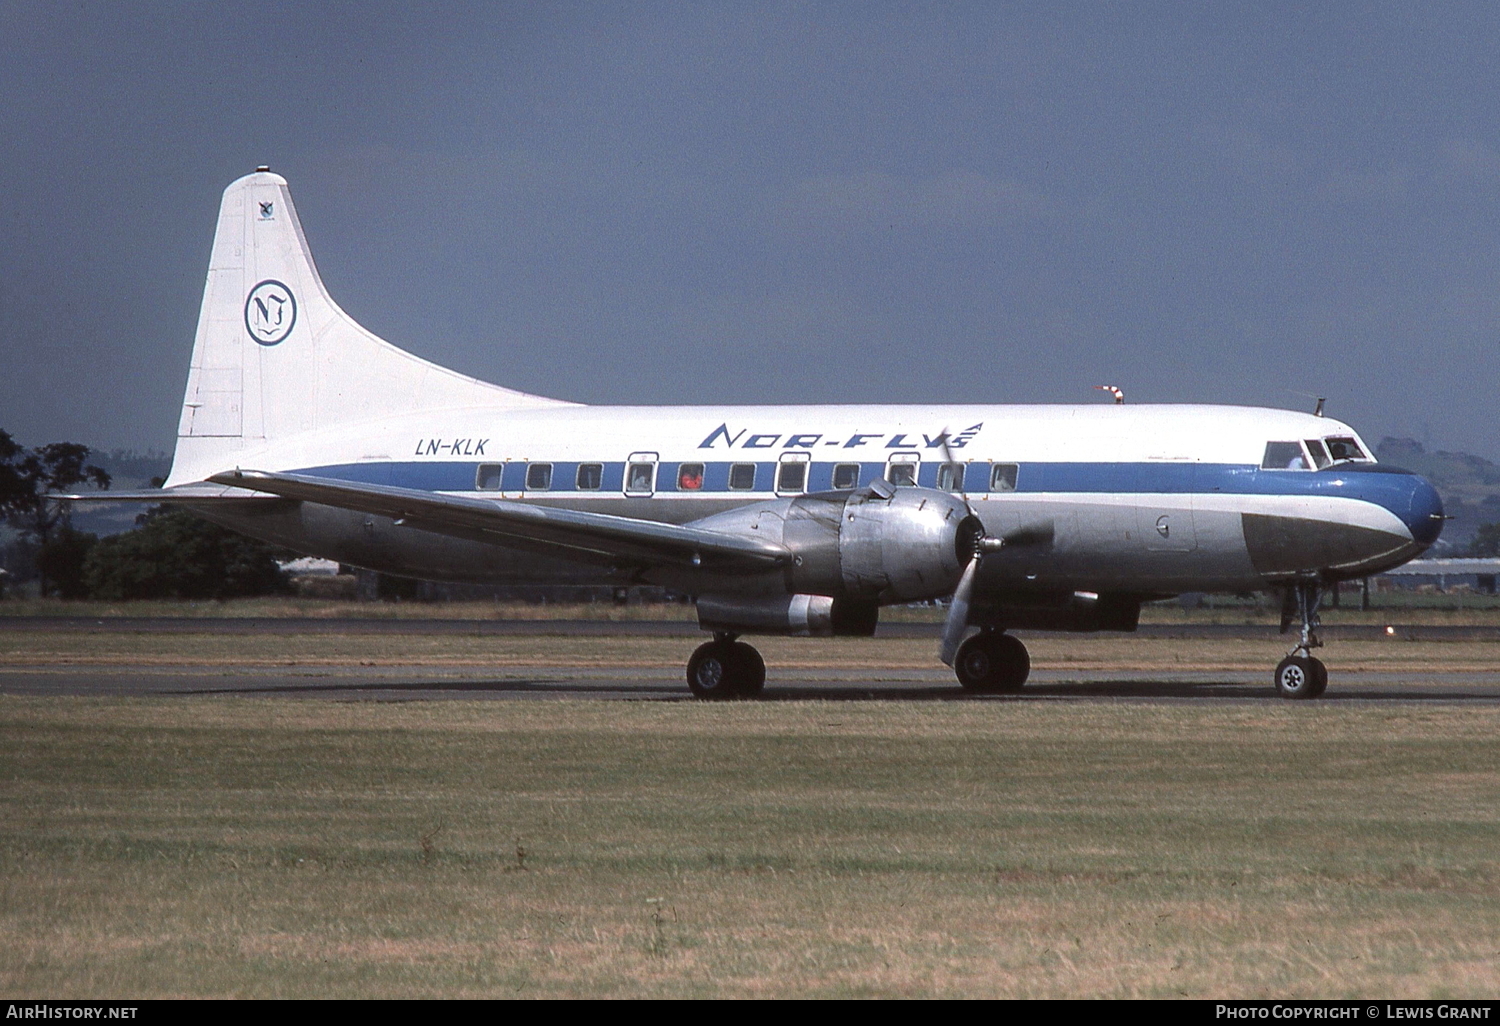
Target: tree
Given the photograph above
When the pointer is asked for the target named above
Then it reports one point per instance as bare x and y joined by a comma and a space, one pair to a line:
1486, 542
174, 554
28, 480
11, 488
61, 560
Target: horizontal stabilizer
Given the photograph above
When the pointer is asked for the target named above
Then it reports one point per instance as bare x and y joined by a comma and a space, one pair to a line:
596, 537
199, 493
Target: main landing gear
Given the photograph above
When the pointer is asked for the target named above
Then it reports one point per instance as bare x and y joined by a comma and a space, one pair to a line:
725, 668
992, 662
1300, 674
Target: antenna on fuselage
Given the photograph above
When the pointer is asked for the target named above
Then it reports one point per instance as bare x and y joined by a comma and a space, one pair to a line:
1119, 394
1317, 410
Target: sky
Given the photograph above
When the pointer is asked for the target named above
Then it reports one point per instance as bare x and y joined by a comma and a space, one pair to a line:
757, 202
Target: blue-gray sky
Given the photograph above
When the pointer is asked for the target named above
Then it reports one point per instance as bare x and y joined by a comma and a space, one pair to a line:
760, 202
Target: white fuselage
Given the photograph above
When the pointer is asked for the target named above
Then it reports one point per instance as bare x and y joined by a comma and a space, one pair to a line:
1148, 499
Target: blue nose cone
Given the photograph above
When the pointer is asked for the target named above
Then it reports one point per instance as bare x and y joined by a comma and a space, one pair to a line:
1425, 519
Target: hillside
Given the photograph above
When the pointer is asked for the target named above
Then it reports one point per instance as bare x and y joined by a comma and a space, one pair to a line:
1469, 485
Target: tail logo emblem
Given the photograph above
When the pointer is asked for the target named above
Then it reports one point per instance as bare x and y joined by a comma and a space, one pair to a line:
270, 312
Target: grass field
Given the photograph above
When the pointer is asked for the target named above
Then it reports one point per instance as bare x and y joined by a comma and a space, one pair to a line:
218, 847
231, 847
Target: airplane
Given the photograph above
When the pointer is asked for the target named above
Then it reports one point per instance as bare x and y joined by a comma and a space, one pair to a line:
302, 428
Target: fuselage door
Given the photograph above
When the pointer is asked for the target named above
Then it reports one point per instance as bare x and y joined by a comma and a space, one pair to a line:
640, 474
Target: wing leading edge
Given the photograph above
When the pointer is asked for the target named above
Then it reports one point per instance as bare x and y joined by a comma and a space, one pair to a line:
594, 537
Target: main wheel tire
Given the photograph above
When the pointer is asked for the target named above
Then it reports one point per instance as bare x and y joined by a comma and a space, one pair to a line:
711, 671
1301, 677
750, 670
992, 663
1320, 678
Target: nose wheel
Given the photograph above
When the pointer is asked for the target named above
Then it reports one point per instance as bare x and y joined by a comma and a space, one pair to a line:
725, 669
1300, 674
1301, 677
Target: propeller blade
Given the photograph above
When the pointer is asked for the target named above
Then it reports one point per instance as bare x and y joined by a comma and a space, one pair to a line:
955, 468
958, 613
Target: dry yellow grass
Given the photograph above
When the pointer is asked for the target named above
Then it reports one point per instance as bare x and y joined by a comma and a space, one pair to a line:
227, 847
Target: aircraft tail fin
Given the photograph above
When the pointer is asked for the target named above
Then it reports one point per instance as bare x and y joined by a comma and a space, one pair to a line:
274, 355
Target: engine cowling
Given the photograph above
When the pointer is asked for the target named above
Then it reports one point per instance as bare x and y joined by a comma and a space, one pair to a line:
873, 546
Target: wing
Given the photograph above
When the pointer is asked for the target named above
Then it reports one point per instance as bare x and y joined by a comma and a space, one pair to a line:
593, 537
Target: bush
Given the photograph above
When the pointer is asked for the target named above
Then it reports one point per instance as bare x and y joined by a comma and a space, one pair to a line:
61, 559
174, 554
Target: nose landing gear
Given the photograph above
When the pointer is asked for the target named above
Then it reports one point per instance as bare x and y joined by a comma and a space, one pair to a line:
1300, 674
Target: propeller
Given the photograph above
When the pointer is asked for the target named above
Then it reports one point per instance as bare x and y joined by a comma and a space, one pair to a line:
957, 622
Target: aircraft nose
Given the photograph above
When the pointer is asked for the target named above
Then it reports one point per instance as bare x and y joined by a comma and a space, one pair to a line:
1425, 516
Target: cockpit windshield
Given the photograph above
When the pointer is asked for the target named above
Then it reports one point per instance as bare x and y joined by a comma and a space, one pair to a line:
1312, 453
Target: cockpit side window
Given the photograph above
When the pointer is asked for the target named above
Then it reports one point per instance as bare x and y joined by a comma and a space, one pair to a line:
1319, 454
1345, 448
1284, 456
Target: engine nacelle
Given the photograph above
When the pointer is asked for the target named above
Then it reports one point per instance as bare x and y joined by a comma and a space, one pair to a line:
816, 616
873, 546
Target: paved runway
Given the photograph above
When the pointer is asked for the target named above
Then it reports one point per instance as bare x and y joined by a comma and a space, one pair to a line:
418, 682
425, 683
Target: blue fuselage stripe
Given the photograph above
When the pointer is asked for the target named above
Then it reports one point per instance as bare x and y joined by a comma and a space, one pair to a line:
1385, 486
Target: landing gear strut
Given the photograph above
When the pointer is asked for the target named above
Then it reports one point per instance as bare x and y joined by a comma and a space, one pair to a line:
992, 662
1300, 675
725, 668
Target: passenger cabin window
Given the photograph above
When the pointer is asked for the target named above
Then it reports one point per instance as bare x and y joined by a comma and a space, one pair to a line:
1284, 456
690, 477
950, 477
487, 477
845, 476
640, 477
1345, 449
901, 474
590, 476
791, 477
742, 477
538, 477
1319, 454
1003, 477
